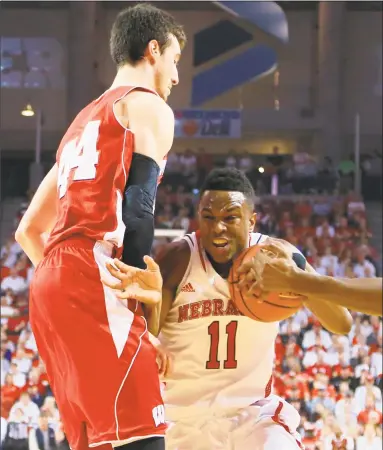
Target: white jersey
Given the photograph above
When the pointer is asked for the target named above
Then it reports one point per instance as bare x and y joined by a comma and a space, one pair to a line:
221, 358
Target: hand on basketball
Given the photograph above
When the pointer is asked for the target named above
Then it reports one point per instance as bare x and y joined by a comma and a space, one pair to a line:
142, 285
269, 271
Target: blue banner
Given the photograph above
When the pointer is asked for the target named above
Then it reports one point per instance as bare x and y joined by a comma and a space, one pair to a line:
194, 123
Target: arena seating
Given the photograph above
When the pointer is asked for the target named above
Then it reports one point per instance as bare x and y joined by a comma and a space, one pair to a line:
334, 381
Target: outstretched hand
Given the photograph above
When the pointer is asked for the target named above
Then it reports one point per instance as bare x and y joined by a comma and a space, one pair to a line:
143, 285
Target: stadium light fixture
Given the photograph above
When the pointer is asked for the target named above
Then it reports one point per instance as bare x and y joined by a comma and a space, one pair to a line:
28, 111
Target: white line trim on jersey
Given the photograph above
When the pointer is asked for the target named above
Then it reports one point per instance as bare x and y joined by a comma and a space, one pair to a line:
116, 444
120, 318
123, 157
114, 104
126, 376
125, 94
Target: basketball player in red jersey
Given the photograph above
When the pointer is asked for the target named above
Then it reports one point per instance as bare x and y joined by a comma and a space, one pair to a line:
97, 199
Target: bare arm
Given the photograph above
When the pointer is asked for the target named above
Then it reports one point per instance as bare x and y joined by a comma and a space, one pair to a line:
151, 121
280, 275
39, 218
173, 262
332, 316
359, 294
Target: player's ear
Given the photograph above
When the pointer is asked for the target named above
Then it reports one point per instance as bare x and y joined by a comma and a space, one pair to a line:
252, 221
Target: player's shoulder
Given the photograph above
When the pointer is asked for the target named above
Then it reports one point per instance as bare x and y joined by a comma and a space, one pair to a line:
173, 260
174, 252
148, 103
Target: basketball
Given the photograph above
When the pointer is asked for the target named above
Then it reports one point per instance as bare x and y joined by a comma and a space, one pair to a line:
274, 308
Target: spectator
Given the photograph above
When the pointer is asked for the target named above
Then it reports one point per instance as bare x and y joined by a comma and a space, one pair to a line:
29, 409
370, 414
50, 410
61, 440
370, 440
325, 230
188, 162
19, 378
376, 357
5, 366
368, 388
3, 430
16, 437
231, 159
346, 409
9, 253
14, 282
182, 220
245, 162
43, 437
363, 267
22, 361
315, 336
338, 441
323, 400
329, 262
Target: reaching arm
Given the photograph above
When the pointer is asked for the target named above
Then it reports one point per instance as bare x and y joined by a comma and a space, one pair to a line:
281, 275
359, 294
333, 317
152, 122
156, 282
173, 262
39, 218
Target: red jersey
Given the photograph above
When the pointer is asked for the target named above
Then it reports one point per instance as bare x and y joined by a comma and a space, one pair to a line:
94, 159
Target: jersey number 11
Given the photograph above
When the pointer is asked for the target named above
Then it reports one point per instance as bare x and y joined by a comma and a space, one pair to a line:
230, 361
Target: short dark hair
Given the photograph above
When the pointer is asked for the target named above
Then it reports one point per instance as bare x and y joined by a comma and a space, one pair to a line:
136, 26
229, 179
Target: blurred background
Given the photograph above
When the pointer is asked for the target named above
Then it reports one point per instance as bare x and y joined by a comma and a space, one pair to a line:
290, 93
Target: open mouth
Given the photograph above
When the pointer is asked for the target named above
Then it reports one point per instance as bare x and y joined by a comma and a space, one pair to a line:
220, 243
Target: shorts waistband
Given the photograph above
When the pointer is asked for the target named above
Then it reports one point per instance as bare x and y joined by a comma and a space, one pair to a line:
87, 244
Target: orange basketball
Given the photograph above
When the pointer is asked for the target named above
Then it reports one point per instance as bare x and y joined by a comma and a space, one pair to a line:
274, 308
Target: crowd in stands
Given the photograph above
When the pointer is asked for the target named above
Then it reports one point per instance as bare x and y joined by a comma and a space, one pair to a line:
333, 381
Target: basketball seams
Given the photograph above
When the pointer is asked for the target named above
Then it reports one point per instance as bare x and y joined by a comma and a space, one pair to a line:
268, 305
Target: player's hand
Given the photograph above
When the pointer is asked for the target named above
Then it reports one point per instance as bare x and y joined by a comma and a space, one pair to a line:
142, 285
164, 361
271, 270
250, 272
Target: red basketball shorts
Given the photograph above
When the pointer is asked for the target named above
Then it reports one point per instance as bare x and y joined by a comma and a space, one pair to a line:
99, 360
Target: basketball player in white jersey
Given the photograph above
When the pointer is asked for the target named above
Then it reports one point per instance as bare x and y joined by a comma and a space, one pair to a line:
219, 392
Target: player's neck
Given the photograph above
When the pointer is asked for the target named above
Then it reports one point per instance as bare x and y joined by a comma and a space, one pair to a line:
139, 75
222, 269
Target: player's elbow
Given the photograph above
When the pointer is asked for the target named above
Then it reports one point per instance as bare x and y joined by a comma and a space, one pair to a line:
24, 232
343, 325
21, 233
346, 323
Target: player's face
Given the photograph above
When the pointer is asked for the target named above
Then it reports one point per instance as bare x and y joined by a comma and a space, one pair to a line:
166, 72
225, 221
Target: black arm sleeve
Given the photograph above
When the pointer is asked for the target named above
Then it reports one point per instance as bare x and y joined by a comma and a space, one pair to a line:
138, 209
